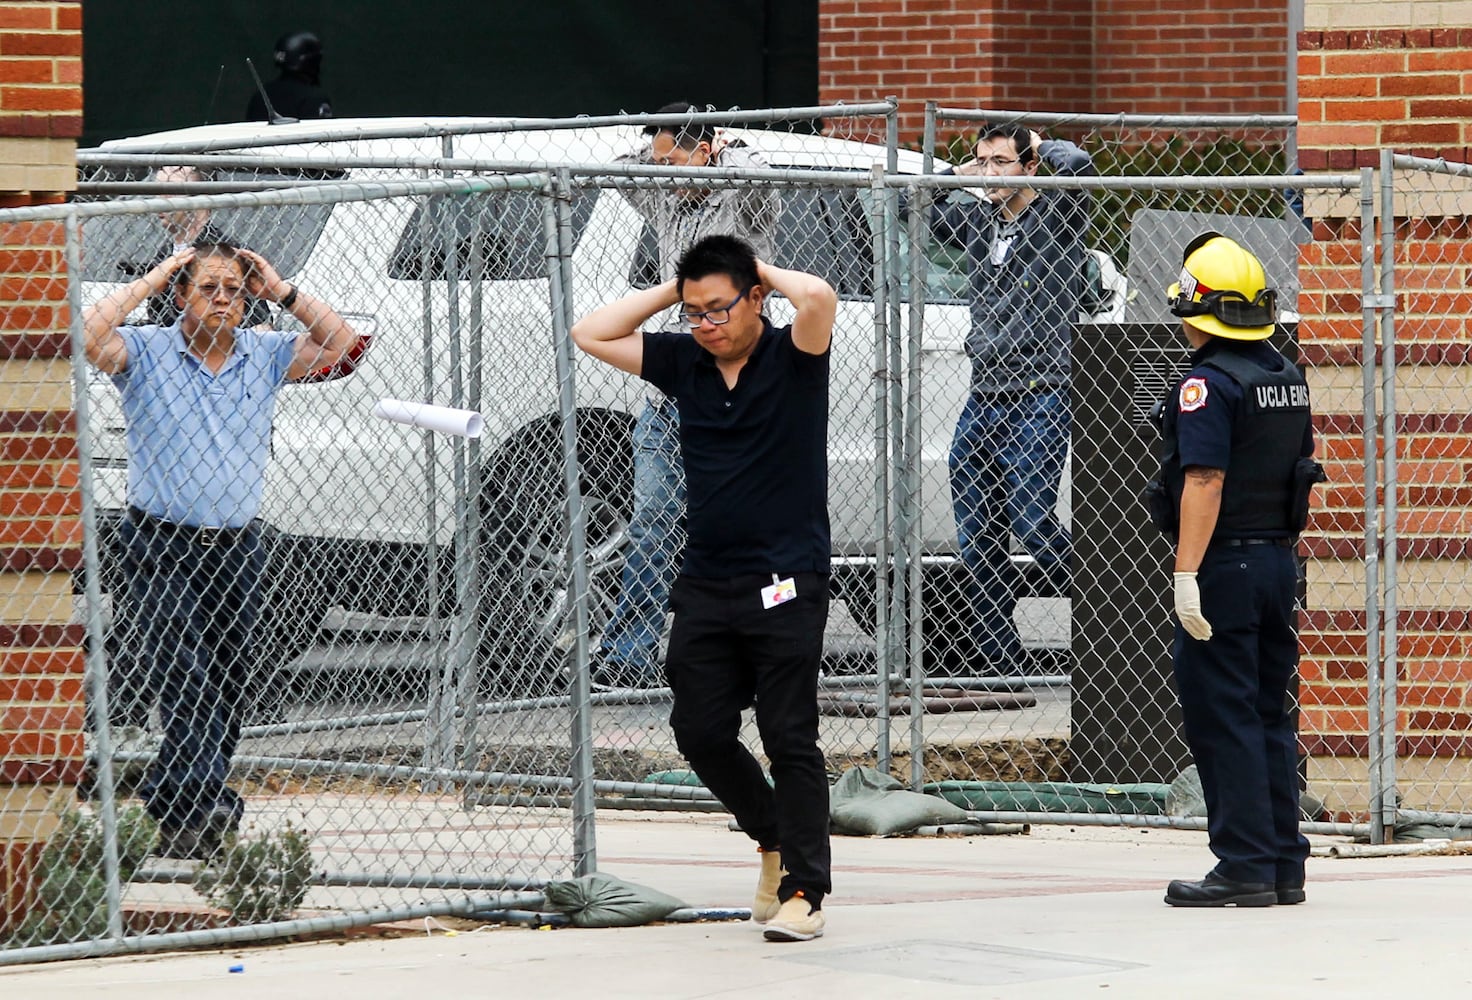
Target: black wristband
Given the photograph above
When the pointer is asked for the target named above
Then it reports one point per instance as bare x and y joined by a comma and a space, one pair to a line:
289, 299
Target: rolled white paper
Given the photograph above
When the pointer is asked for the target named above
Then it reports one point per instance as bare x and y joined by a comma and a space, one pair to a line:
444, 419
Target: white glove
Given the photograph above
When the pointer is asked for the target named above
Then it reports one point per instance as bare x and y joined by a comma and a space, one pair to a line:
1188, 607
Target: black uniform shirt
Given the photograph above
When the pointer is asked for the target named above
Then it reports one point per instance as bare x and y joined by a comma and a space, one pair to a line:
1206, 407
756, 454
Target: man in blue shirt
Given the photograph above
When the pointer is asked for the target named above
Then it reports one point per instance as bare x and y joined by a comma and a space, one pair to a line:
183, 229
751, 600
198, 396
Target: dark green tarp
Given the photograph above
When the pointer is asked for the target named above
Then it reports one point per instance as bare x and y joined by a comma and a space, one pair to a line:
1147, 799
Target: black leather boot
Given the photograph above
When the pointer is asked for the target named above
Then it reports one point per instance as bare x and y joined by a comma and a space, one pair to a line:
1290, 892
1214, 890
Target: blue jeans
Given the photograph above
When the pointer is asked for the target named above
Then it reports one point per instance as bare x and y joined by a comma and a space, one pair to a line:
1006, 462
195, 608
629, 649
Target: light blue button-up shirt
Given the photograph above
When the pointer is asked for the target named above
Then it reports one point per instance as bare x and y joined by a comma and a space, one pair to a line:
198, 441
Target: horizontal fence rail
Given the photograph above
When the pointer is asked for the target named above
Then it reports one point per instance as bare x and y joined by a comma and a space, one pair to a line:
318, 132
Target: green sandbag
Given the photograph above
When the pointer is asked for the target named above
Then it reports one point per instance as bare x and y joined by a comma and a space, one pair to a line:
1144, 799
1428, 831
600, 900
866, 802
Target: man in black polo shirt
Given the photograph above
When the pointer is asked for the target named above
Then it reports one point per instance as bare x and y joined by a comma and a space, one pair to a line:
751, 600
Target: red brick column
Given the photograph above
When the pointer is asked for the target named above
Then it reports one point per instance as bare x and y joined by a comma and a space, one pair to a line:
41, 659
1361, 90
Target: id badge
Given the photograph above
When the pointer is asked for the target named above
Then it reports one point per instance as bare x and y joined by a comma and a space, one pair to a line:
780, 592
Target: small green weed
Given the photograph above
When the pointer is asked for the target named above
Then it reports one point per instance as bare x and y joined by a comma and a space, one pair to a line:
261, 879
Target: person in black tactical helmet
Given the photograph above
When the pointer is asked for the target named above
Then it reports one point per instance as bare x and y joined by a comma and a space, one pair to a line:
297, 92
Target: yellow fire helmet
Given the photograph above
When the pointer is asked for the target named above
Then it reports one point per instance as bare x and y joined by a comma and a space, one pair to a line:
1223, 290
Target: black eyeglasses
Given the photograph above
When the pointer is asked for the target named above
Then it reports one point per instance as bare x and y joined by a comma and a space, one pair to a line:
717, 317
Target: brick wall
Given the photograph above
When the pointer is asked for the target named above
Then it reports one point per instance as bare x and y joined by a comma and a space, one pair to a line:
1191, 57
870, 50
41, 660
41, 69
1056, 35
1361, 90
1411, 89
1136, 56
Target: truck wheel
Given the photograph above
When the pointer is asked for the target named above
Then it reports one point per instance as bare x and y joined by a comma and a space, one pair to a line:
528, 627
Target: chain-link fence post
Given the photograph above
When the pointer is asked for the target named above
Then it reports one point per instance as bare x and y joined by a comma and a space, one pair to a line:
454, 658
909, 481
468, 597
1370, 430
886, 624
97, 664
895, 367
1390, 629
438, 748
927, 136
918, 249
558, 216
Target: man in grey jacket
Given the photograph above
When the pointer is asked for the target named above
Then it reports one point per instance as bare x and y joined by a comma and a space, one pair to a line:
1026, 251
628, 654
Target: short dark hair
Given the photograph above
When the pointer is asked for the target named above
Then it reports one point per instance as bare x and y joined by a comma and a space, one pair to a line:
210, 248
686, 136
1021, 139
721, 254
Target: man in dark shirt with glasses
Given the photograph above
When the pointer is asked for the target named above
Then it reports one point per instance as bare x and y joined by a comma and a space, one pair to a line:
751, 599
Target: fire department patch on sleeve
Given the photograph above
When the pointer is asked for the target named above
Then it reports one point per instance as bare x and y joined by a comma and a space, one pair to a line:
1193, 394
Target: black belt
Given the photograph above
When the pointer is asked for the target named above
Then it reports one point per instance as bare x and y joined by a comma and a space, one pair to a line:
198, 534
1237, 543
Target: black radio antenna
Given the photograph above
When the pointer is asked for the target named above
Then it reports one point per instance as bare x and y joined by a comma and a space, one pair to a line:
271, 114
209, 117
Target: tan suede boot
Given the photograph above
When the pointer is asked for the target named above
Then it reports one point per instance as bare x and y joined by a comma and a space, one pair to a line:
797, 920
765, 905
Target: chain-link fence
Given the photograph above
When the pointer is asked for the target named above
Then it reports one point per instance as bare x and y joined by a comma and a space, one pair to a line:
1063, 592
1420, 743
1110, 720
386, 679
459, 640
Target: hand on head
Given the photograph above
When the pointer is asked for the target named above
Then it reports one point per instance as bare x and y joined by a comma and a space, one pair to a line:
167, 271
261, 279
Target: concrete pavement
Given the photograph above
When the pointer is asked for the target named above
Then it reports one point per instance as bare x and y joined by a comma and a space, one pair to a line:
1061, 912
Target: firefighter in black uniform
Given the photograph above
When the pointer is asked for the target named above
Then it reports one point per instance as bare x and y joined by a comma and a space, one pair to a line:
1236, 471
297, 92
